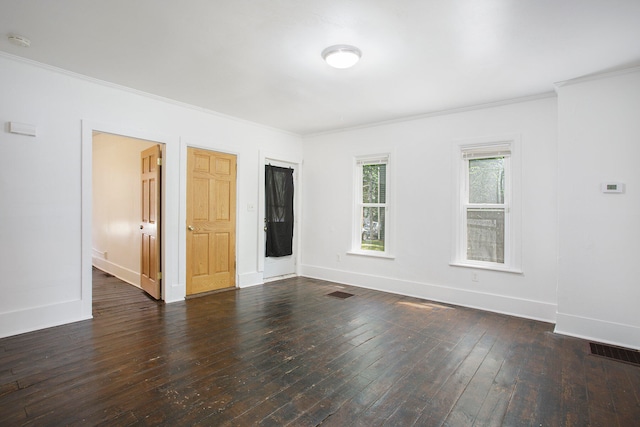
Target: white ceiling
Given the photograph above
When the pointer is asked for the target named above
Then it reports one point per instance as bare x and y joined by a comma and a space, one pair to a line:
260, 60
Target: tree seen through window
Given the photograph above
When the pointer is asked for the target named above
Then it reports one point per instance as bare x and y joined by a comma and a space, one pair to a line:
374, 194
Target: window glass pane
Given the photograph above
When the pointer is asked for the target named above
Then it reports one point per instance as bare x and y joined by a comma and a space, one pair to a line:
485, 235
374, 183
486, 180
373, 224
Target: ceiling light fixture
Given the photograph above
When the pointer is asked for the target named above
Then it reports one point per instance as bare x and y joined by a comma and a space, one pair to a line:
341, 55
19, 40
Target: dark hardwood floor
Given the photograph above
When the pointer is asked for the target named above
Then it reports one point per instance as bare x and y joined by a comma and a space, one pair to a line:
288, 354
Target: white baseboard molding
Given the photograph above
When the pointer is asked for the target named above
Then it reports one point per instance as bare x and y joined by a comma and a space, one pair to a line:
246, 280
276, 278
95, 253
528, 309
175, 292
32, 319
122, 273
599, 330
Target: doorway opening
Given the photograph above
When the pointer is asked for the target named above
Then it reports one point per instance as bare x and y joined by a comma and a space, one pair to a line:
280, 263
126, 232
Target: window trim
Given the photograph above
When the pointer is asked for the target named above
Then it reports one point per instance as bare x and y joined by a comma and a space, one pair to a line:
356, 248
479, 148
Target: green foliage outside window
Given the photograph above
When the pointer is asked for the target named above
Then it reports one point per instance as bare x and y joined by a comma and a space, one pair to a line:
374, 192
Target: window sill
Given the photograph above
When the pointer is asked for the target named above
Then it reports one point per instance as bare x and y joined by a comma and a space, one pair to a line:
371, 254
487, 267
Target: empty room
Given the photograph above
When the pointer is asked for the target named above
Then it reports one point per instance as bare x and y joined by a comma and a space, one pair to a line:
337, 213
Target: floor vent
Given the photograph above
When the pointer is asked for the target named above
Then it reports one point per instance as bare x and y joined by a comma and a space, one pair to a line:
339, 294
616, 353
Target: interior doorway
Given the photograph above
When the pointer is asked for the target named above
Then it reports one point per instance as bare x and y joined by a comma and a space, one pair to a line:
280, 265
120, 223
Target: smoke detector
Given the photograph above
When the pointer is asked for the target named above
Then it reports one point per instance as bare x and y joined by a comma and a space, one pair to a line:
19, 40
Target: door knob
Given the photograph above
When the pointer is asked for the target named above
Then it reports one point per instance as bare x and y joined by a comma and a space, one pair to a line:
191, 228
141, 227
265, 228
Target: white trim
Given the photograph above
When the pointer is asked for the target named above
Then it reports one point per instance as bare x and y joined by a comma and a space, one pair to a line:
375, 254
445, 112
509, 146
246, 280
486, 266
359, 161
596, 76
598, 330
170, 198
513, 306
276, 278
122, 273
36, 318
138, 92
297, 163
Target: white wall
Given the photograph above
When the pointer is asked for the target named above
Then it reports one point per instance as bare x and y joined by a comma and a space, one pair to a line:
423, 187
579, 246
116, 205
45, 186
599, 141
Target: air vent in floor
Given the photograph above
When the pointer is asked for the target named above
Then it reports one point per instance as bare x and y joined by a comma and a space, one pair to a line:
616, 353
339, 294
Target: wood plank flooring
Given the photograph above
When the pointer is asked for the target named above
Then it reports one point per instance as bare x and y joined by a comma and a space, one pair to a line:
288, 354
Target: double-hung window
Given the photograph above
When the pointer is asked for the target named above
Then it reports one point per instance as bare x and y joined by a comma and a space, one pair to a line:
486, 236
371, 205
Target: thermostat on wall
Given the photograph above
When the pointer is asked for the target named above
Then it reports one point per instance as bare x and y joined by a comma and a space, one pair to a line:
612, 187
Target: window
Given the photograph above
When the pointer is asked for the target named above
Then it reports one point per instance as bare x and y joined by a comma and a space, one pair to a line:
371, 205
486, 236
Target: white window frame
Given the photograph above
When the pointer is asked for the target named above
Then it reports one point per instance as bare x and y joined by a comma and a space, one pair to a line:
484, 148
356, 240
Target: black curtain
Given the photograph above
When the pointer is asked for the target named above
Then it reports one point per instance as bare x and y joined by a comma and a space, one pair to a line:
279, 210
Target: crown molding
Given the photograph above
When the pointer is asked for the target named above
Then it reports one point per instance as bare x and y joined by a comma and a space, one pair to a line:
492, 104
597, 76
133, 91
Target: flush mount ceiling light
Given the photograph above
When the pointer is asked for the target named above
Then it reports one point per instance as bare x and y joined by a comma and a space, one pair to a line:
341, 55
19, 40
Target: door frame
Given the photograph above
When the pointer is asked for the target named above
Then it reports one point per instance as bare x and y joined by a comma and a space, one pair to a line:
169, 171
296, 162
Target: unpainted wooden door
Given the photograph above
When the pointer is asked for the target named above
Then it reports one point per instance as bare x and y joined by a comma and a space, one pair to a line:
150, 275
211, 221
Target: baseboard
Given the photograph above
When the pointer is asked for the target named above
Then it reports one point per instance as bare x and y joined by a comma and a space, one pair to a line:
598, 330
174, 293
32, 319
276, 278
122, 273
246, 280
528, 309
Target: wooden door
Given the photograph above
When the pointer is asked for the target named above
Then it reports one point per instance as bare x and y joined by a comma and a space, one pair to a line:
150, 225
211, 221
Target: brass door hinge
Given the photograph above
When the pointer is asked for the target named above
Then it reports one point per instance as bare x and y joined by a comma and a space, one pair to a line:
159, 161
